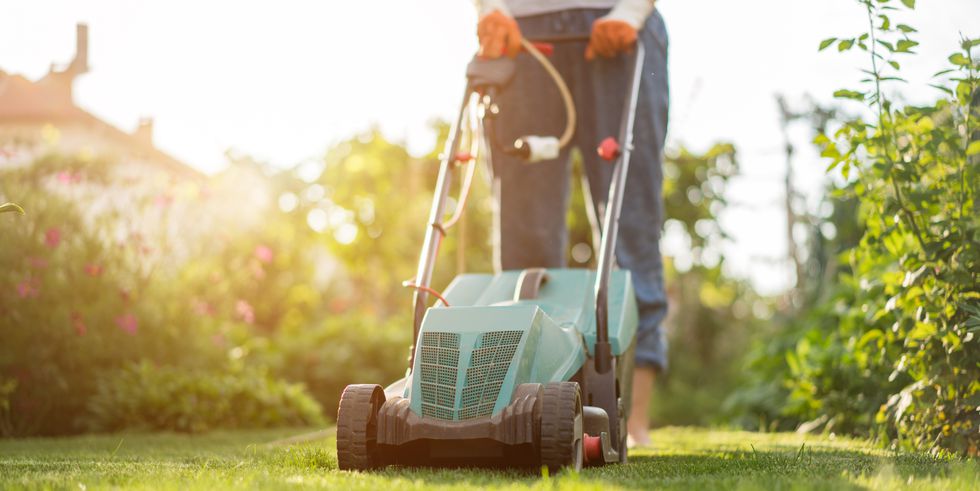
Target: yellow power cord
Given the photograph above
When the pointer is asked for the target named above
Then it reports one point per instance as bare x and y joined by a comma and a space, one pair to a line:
566, 95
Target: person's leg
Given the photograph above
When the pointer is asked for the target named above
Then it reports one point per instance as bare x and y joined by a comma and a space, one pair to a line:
638, 244
532, 199
638, 425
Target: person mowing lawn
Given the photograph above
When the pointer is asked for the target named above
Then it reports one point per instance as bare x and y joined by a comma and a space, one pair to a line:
532, 199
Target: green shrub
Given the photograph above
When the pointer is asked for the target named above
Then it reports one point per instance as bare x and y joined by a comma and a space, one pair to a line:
352, 348
893, 351
79, 295
142, 396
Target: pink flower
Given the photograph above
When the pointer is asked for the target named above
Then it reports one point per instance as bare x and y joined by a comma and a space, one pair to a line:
67, 177
263, 253
163, 200
93, 270
37, 262
78, 323
29, 288
245, 311
52, 237
202, 307
128, 323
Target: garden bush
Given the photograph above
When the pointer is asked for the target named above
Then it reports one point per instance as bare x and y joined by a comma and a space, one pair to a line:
104, 273
143, 396
90, 286
892, 351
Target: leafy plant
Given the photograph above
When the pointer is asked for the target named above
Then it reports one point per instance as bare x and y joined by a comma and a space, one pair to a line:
143, 396
898, 354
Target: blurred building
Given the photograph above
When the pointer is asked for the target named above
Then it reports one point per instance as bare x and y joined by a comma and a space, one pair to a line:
41, 116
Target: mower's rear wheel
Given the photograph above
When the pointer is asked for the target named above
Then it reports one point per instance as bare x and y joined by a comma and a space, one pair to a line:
357, 427
560, 442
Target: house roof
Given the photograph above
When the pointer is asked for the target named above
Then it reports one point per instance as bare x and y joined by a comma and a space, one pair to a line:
21, 99
49, 101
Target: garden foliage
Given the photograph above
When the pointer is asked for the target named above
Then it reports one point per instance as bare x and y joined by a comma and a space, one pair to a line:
142, 396
172, 306
893, 350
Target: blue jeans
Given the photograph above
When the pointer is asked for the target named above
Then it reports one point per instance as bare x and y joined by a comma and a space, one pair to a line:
533, 198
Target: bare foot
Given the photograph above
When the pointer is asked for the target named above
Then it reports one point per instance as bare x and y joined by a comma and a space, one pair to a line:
639, 423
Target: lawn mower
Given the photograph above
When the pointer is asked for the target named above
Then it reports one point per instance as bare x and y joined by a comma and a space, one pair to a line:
521, 368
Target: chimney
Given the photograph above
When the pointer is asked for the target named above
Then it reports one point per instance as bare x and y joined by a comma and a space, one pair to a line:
80, 64
60, 82
144, 131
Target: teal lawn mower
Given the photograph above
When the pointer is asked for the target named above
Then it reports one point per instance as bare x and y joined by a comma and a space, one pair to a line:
521, 368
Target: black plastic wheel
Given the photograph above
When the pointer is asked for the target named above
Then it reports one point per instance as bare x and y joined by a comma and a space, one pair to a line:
357, 427
560, 443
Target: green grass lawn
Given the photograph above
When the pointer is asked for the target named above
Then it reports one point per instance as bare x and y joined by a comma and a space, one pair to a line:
682, 458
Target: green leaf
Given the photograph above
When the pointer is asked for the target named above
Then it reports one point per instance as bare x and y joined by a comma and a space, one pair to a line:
909, 3
845, 44
906, 28
826, 42
849, 94
905, 45
945, 90
973, 148
959, 59
870, 336
922, 330
11, 208
895, 65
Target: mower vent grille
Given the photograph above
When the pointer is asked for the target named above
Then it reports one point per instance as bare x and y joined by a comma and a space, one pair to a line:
440, 364
488, 366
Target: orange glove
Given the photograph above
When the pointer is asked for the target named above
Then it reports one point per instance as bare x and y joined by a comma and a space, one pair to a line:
609, 38
499, 35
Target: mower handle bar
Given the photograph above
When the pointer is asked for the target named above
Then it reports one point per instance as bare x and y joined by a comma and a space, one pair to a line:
571, 38
610, 225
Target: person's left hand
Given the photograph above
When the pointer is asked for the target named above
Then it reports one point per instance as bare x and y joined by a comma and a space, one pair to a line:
499, 35
609, 38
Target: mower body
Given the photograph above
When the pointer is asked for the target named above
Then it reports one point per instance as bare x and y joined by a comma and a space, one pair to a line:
475, 387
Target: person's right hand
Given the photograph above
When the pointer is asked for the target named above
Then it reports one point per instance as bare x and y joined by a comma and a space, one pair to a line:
609, 38
499, 35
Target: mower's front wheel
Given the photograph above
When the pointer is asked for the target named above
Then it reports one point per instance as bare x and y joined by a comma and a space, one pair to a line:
357, 427
560, 441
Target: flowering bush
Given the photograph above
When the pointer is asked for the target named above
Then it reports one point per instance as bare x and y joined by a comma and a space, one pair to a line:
78, 297
105, 275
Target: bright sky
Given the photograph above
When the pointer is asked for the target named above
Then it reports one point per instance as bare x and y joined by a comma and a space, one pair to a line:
282, 80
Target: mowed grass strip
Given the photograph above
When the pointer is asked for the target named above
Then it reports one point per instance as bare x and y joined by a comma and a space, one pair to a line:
681, 458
